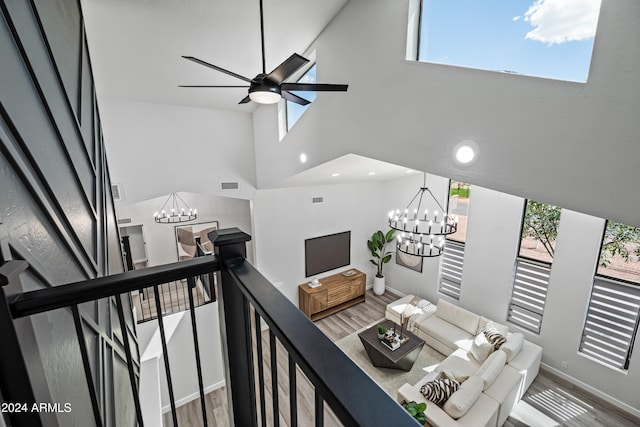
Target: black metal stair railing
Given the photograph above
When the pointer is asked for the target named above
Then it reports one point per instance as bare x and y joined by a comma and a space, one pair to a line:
15, 385
175, 296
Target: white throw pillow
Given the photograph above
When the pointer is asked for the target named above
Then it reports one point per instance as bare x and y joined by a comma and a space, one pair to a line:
491, 368
513, 345
481, 348
463, 399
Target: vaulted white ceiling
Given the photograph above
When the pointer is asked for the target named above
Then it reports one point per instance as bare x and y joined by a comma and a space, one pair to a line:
136, 45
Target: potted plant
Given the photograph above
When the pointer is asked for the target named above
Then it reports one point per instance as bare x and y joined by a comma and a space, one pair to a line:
417, 411
377, 245
381, 331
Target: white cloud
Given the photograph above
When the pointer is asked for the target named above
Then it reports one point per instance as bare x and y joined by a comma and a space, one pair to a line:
560, 21
516, 18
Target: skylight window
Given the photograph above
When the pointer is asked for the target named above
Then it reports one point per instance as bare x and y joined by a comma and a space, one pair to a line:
543, 38
295, 111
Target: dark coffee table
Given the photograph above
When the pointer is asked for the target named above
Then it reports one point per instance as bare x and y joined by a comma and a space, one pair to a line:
382, 356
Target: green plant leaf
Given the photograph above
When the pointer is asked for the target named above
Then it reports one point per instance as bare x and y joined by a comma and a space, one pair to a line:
420, 407
370, 245
389, 236
386, 259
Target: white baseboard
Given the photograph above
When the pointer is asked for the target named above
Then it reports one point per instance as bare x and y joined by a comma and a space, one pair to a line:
193, 396
621, 405
393, 290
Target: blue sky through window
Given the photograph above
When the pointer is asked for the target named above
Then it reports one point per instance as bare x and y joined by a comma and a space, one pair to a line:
544, 38
294, 111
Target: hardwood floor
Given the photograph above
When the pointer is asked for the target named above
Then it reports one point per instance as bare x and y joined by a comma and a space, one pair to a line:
550, 401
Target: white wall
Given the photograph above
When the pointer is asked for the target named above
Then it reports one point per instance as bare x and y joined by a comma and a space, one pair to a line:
150, 386
284, 218
157, 149
182, 357
570, 144
492, 243
161, 239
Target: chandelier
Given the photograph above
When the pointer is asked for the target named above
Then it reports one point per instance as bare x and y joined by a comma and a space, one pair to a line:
422, 233
176, 211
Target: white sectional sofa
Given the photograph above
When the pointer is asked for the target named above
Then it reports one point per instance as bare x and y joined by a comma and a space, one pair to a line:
494, 386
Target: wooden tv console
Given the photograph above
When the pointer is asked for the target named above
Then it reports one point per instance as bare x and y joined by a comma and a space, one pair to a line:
335, 293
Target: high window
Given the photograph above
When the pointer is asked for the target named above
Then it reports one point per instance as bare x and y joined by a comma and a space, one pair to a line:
533, 265
611, 324
295, 111
544, 38
453, 256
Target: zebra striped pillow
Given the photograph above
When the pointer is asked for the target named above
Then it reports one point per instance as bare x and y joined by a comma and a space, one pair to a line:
493, 336
439, 390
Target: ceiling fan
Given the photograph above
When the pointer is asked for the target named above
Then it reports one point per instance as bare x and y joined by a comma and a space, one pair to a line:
270, 88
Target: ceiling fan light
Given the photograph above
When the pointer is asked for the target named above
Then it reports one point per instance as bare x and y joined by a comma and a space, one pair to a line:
265, 94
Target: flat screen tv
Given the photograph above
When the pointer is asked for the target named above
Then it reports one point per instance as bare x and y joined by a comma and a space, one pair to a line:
326, 253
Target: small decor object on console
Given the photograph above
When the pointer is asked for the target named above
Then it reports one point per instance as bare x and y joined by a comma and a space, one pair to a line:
381, 331
349, 273
315, 283
391, 341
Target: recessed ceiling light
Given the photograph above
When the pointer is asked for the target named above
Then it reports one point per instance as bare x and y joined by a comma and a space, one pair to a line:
372, 173
465, 152
303, 158
335, 174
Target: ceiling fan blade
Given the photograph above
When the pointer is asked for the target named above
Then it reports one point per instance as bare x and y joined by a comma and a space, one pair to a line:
287, 68
245, 100
314, 87
209, 86
294, 98
215, 67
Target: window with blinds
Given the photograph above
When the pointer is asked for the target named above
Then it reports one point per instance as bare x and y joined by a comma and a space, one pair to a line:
529, 294
451, 269
612, 322
533, 265
613, 313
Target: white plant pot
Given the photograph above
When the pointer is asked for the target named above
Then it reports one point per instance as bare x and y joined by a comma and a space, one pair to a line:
378, 285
